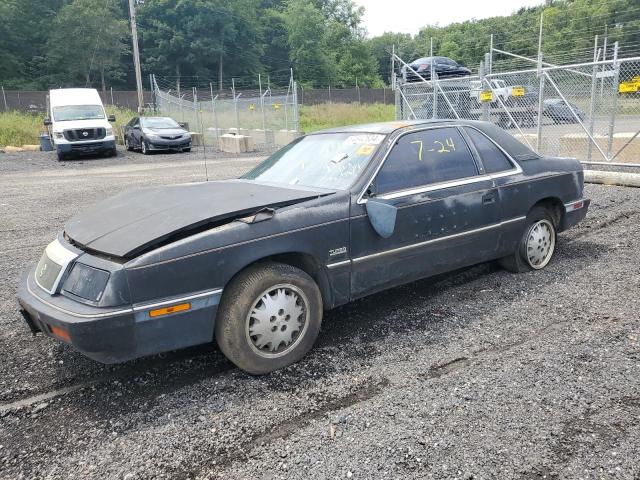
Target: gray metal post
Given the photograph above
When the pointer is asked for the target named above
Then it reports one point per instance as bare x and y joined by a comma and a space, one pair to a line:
296, 114
235, 105
594, 86
604, 57
4, 97
491, 55
136, 56
485, 105
392, 78
213, 112
541, 79
614, 106
264, 118
433, 80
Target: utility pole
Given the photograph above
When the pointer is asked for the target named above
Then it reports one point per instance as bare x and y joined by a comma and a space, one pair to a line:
136, 56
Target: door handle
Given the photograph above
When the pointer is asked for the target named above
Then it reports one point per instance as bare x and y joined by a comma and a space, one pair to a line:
489, 198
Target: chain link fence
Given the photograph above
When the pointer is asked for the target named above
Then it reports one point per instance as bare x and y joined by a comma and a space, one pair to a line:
590, 111
259, 120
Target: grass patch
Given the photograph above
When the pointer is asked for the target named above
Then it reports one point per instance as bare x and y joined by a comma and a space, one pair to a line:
328, 115
18, 128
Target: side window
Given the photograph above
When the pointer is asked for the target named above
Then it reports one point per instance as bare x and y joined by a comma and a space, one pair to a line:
425, 157
492, 157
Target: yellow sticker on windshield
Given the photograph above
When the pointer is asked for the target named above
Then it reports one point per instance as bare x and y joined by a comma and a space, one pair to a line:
366, 150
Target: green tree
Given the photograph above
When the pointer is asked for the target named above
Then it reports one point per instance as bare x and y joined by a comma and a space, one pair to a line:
88, 39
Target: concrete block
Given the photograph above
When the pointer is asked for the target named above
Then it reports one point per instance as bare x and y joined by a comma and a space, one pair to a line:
235, 143
285, 137
261, 137
196, 139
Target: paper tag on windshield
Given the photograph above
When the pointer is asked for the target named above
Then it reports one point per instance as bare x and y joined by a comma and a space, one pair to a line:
366, 150
364, 138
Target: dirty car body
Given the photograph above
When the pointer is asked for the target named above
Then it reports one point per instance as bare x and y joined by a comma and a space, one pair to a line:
146, 271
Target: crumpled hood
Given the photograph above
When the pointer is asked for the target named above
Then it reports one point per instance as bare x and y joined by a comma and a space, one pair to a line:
132, 222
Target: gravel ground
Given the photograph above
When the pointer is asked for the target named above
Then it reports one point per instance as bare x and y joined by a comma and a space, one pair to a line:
480, 374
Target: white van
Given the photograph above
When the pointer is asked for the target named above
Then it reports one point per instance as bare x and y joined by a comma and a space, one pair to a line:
78, 123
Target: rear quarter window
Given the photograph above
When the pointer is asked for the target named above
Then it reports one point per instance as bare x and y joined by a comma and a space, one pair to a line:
493, 159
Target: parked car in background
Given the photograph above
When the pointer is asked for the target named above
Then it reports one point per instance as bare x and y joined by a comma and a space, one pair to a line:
330, 218
443, 67
78, 123
558, 111
499, 88
150, 134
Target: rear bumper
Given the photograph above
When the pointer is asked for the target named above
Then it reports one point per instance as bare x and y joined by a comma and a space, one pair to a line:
116, 335
86, 148
575, 213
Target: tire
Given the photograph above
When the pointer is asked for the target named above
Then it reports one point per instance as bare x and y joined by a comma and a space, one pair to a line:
61, 157
144, 148
186, 150
537, 245
290, 292
128, 145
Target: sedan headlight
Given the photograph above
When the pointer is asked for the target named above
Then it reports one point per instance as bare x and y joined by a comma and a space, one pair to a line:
86, 282
151, 134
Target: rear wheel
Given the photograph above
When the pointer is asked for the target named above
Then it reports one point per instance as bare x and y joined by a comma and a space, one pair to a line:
269, 317
537, 245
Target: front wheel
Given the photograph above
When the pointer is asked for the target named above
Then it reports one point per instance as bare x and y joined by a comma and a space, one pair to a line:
128, 145
537, 245
144, 148
269, 317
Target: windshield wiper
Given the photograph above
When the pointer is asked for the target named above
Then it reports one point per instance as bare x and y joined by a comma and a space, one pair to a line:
338, 159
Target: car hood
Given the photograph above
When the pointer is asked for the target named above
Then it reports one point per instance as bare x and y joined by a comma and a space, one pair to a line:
133, 222
170, 132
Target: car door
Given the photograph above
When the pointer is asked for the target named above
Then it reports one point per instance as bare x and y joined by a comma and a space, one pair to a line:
507, 177
447, 212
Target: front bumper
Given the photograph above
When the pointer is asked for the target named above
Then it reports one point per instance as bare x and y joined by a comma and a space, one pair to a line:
161, 144
117, 334
86, 148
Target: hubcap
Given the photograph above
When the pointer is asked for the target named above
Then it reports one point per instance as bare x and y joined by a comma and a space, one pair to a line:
541, 241
277, 320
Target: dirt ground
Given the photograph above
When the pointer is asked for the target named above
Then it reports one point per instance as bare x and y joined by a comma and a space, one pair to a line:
481, 374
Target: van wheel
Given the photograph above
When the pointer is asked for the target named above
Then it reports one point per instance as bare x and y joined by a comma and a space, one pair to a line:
61, 157
269, 317
537, 245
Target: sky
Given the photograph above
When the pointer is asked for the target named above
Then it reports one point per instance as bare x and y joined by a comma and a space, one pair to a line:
408, 16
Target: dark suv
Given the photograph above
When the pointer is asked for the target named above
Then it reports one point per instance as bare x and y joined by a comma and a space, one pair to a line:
444, 68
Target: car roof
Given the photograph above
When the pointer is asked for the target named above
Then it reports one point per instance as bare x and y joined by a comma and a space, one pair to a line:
511, 145
74, 96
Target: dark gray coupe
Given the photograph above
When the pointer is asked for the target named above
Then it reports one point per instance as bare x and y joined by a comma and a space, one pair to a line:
331, 217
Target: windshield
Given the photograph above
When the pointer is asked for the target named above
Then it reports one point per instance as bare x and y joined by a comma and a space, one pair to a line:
331, 160
77, 112
163, 122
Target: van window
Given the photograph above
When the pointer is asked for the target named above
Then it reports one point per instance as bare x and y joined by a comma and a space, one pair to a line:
66, 113
492, 157
425, 157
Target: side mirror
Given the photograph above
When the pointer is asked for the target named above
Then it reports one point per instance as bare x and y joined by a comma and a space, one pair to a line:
111, 118
47, 121
382, 216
